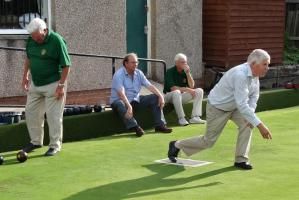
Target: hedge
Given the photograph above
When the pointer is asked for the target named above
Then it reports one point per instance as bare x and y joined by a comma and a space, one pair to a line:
86, 126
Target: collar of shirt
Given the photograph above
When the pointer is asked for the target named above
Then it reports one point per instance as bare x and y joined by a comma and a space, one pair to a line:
47, 36
249, 71
179, 73
127, 74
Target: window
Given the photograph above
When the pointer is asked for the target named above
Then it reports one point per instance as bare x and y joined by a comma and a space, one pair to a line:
16, 14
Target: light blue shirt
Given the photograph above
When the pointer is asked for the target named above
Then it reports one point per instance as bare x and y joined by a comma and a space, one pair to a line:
237, 89
131, 85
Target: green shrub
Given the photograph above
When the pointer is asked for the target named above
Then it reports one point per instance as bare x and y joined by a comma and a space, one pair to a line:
291, 52
80, 127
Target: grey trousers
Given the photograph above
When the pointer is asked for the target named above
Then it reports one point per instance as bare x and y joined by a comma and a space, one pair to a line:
178, 99
41, 100
216, 121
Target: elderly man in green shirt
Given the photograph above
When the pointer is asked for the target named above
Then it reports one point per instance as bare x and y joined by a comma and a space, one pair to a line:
179, 89
48, 63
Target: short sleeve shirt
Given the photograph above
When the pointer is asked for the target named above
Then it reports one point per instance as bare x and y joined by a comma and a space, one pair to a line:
47, 59
131, 85
174, 78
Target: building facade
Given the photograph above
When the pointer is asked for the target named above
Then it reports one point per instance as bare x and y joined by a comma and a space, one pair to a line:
152, 28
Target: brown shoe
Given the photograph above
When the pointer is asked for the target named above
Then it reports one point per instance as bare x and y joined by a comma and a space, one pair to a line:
139, 131
163, 129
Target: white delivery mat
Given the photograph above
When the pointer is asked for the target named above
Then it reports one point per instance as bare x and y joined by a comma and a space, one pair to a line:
184, 162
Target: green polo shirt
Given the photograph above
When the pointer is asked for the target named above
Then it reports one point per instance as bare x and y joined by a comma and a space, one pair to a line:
174, 78
47, 59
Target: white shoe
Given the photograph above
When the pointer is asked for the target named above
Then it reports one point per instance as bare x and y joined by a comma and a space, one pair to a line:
197, 120
183, 121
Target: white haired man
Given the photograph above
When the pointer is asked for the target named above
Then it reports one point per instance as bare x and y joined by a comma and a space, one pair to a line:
234, 98
48, 63
179, 89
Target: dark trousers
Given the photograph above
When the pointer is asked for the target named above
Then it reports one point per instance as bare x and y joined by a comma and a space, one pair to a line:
150, 101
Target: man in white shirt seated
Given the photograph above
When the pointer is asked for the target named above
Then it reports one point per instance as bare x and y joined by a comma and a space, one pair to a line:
234, 98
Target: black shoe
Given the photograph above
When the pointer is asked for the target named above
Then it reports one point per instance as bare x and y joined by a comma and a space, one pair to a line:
1, 160
138, 130
51, 152
173, 152
31, 147
243, 165
163, 129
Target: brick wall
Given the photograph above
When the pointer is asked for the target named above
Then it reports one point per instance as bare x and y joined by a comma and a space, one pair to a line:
86, 97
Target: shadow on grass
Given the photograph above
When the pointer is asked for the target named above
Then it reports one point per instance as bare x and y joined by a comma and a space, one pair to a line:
14, 160
9, 154
132, 135
139, 187
127, 134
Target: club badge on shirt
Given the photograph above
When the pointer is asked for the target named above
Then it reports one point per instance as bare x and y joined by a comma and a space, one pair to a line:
43, 52
184, 80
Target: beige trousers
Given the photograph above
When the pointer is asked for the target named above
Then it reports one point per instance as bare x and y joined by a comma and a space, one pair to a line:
216, 121
178, 99
41, 100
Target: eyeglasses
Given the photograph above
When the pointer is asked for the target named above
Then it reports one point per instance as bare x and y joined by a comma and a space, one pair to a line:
134, 62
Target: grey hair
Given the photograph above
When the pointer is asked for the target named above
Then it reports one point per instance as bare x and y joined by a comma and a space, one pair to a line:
180, 56
36, 24
127, 56
257, 56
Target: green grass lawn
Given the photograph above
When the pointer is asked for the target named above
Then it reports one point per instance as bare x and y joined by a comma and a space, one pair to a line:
122, 167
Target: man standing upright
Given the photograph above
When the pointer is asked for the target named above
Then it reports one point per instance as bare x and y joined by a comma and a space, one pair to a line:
125, 96
48, 63
179, 89
233, 98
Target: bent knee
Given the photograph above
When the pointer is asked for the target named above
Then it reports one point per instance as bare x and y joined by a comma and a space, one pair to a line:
176, 95
199, 92
154, 98
209, 142
176, 92
118, 104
